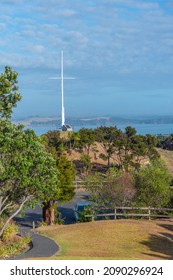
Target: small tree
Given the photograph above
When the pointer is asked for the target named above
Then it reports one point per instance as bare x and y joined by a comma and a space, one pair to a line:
153, 185
86, 139
65, 191
106, 137
111, 190
86, 160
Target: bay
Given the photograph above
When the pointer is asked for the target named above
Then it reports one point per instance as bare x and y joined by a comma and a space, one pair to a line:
143, 129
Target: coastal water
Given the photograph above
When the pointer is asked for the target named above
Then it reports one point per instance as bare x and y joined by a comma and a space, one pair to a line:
140, 128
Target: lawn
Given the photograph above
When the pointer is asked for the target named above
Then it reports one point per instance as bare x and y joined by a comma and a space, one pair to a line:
120, 239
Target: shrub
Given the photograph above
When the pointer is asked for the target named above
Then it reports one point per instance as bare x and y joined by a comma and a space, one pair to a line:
87, 211
10, 231
14, 247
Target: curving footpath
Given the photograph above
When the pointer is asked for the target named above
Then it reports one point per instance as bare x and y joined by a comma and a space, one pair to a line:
41, 246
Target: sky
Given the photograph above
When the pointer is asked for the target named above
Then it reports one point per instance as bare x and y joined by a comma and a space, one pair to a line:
119, 51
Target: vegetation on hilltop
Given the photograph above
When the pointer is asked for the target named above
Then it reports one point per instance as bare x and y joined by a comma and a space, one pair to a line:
131, 173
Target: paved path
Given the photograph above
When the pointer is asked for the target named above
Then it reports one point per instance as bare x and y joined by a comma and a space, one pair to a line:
43, 246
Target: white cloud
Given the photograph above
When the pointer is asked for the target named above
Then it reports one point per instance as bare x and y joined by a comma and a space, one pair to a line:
93, 34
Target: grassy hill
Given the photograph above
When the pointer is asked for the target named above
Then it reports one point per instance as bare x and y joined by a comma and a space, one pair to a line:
118, 239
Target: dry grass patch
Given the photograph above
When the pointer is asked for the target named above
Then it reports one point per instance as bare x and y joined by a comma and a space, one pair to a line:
167, 156
121, 239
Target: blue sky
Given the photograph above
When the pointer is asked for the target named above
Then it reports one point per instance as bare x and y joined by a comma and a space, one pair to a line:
119, 51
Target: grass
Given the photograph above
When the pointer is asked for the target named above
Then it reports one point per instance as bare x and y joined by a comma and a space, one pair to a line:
120, 239
167, 156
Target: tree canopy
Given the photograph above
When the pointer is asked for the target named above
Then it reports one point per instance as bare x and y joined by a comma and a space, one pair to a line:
27, 172
153, 185
9, 95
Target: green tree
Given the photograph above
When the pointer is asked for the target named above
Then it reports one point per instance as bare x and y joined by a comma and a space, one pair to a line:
131, 149
66, 179
86, 160
153, 185
86, 139
106, 137
28, 174
9, 95
74, 140
167, 143
66, 188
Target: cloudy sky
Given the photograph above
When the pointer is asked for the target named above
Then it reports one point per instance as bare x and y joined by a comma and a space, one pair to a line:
119, 51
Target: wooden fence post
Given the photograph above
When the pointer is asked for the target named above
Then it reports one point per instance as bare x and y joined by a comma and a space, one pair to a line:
149, 213
115, 214
92, 216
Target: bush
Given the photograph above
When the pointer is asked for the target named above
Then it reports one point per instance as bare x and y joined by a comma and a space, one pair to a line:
10, 231
153, 185
14, 247
42, 224
59, 221
87, 211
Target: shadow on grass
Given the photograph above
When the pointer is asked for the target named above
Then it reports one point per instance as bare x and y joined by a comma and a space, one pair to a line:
162, 244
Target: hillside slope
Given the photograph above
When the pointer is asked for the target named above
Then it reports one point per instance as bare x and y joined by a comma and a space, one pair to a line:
167, 156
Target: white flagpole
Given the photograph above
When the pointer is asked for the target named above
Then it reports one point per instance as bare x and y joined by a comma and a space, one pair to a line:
62, 89
62, 78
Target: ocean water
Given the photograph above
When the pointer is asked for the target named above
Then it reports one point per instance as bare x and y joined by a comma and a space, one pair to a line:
140, 128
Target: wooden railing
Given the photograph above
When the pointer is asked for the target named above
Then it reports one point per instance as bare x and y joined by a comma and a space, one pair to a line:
125, 213
79, 184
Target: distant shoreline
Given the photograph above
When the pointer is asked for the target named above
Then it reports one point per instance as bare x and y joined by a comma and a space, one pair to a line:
154, 129
95, 121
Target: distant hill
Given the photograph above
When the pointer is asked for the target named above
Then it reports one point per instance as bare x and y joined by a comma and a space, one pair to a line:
95, 121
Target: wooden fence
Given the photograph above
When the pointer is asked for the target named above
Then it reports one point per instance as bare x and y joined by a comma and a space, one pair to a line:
125, 212
79, 185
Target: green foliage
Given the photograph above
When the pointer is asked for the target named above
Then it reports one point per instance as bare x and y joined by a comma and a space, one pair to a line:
81, 214
86, 160
167, 142
66, 179
153, 185
28, 173
74, 140
10, 243
59, 221
86, 139
52, 139
126, 149
14, 247
27, 169
42, 224
106, 137
10, 230
9, 95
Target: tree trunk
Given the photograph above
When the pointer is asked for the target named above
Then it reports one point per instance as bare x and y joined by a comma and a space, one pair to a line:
108, 161
12, 216
49, 212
